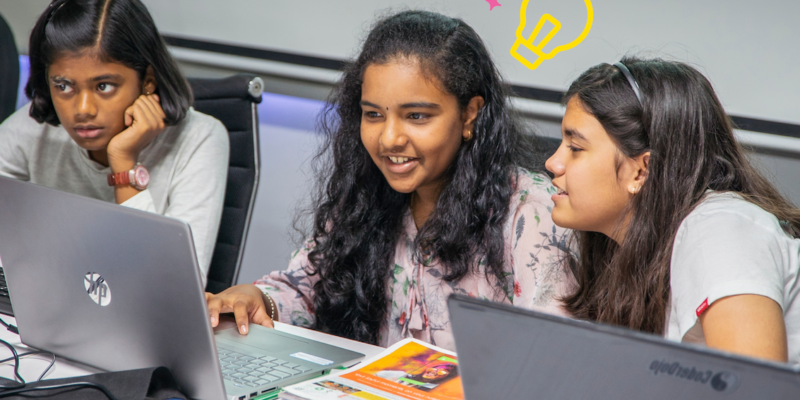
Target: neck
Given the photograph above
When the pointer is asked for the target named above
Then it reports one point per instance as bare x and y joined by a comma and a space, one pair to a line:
423, 201
619, 230
99, 156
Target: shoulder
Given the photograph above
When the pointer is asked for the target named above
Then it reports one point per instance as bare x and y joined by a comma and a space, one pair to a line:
727, 236
724, 247
21, 124
728, 214
19, 129
532, 188
197, 133
530, 211
199, 126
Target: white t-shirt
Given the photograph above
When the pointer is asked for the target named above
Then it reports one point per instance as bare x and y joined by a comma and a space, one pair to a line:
188, 165
728, 246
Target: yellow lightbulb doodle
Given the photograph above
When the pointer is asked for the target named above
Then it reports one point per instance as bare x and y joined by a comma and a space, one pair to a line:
537, 48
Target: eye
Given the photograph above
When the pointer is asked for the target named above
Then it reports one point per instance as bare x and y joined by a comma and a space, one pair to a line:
105, 88
63, 87
417, 116
372, 114
574, 149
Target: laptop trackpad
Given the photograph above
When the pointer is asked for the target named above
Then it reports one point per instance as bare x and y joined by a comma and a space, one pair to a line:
261, 339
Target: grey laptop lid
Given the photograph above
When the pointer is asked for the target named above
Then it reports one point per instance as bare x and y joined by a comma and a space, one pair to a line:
118, 289
510, 353
106, 285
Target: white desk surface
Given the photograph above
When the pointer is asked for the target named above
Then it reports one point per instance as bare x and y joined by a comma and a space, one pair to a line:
31, 367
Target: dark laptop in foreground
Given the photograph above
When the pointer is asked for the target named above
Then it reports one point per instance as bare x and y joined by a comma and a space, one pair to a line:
118, 289
511, 353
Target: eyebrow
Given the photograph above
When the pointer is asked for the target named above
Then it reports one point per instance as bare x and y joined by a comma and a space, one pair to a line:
420, 104
575, 134
107, 77
60, 79
368, 104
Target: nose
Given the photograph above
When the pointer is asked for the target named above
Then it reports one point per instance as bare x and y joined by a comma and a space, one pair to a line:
555, 163
392, 136
86, 106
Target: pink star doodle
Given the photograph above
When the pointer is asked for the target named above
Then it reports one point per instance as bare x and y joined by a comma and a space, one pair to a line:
493, 4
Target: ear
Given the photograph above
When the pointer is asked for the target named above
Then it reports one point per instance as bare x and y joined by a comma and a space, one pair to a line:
640, 165
469, 116
149, 84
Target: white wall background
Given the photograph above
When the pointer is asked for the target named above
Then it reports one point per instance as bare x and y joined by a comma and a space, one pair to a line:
749, 49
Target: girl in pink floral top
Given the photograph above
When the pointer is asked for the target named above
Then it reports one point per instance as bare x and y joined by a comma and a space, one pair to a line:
424, 192
419, 295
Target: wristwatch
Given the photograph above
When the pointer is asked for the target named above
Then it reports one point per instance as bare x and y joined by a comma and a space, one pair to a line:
137, 177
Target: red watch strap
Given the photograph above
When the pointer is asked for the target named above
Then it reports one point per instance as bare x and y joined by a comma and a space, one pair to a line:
120, 178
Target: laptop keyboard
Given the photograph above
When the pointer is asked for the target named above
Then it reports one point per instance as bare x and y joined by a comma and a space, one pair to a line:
254, 371
3, 285
5, 300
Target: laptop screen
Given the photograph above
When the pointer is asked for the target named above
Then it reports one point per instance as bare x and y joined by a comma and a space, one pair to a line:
511, 353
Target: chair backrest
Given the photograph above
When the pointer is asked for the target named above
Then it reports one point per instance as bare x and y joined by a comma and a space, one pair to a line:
9, 71
233, 101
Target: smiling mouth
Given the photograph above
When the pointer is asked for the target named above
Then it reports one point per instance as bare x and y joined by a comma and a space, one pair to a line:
400, 160
560, 191
400, 165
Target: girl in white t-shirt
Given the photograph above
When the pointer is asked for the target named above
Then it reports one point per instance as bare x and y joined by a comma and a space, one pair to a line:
110, 118
677, 234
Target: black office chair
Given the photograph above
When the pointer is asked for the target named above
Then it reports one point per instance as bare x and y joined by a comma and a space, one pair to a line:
233, 101
9, 71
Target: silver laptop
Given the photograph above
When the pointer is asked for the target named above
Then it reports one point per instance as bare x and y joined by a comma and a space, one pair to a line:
510, 353
118, 289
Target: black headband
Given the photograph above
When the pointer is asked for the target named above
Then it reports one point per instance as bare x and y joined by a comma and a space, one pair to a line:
627, 73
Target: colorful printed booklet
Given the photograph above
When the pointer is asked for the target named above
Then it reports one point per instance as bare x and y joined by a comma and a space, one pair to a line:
409, 370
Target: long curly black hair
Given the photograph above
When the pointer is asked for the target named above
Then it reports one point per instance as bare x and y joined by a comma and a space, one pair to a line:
358, 217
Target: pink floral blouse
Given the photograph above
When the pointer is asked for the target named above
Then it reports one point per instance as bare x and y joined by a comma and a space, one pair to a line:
536, 278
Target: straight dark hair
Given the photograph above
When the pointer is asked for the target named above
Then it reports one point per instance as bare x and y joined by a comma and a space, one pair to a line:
358, 216
119, 31
683, 125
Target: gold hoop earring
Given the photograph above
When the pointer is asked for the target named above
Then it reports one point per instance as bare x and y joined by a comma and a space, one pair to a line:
469, 136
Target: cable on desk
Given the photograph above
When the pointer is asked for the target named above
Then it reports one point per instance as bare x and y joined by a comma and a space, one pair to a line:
11, 328
16, 361
52, 362
33, 353
16, 357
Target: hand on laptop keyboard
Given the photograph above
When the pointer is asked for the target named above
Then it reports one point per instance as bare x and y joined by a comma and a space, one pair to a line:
247, 304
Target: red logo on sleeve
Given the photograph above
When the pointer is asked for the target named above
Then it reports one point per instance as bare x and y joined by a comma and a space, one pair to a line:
702, 307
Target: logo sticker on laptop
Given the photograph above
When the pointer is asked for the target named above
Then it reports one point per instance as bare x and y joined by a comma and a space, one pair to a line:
722, 381
97, 288
312, 358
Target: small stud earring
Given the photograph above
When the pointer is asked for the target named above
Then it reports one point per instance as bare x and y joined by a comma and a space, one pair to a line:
469, 136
